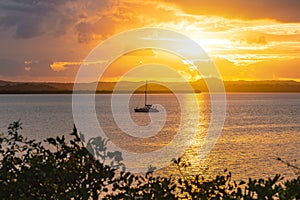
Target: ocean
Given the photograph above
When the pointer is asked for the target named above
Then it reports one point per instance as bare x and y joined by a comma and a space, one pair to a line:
258, 128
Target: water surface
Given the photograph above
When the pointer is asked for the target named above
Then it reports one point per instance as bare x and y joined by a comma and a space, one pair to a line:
259, 127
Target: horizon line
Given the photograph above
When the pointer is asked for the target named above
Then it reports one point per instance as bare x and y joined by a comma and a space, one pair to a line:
153, 81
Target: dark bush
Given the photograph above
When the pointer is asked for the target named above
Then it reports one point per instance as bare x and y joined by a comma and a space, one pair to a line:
60, 169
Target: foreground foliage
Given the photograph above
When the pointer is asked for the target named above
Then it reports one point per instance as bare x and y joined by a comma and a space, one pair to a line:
68, 170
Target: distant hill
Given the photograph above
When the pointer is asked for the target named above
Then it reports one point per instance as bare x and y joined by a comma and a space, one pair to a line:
3, 83
19, 88
7, 87
262, 86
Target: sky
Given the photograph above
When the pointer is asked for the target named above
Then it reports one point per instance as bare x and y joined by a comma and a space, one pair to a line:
47, 40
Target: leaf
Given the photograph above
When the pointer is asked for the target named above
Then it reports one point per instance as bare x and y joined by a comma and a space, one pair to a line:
51, 141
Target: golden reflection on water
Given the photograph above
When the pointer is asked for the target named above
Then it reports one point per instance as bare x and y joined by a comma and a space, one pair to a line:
252, 139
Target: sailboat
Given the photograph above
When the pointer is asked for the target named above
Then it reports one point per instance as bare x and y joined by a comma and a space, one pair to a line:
148, 107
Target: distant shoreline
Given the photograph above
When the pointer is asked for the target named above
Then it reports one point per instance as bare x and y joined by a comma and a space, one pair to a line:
154, 87
107, 92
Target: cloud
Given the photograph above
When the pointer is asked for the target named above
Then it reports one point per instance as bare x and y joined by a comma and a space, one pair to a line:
62, 66
21, 68
32, 18
40, 68
103, 27
89, 19
286, 11
28, 18
29, 28
260, 40
267, 70
9, 20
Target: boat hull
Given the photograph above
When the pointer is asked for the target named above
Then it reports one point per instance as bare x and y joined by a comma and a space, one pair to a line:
145, 110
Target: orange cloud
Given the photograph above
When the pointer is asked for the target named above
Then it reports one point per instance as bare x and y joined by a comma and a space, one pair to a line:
286, 11
268, 70
61, 66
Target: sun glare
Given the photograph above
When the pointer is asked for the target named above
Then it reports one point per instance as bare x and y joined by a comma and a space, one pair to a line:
153, 65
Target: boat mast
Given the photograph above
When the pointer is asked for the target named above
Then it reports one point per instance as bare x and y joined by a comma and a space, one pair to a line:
146, 94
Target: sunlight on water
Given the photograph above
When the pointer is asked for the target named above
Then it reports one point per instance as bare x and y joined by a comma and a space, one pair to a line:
258, 129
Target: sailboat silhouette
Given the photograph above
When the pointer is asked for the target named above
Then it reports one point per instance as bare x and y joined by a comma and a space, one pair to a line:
147, 107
